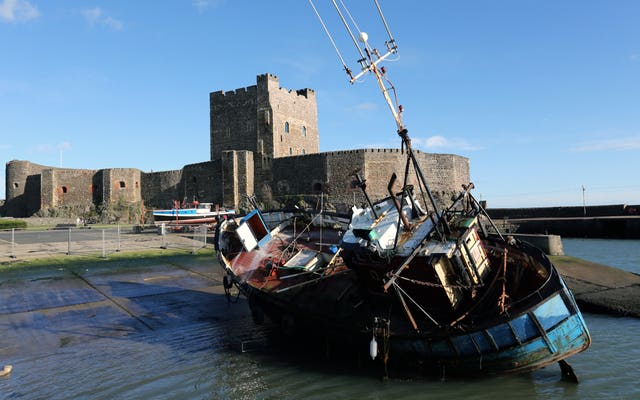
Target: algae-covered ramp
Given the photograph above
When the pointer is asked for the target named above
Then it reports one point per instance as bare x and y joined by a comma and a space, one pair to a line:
599, 288
45, 309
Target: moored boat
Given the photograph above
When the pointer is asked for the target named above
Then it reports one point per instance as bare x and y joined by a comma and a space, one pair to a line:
193, 213
415, 281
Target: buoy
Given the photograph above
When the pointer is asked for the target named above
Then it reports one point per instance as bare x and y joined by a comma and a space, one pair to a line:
373, 348
6, 370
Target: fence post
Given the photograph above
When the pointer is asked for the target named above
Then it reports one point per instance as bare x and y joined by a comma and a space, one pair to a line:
193, 240
69, 242
104, 249
162, 232
118, 247
204, 241
13, 243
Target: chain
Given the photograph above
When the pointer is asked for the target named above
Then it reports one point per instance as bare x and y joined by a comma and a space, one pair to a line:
437, 285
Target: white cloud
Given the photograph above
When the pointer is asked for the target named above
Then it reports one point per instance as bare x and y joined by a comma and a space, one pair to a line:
92, 15
365, 107
18, 11
438, 142
616, 144
95, 16
202, 5
64, 146
113, 23
50, 148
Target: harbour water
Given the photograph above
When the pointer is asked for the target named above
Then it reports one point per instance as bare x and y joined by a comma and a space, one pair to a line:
197, 359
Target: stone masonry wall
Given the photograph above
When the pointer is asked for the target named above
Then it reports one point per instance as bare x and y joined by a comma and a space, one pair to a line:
332, 173
22, 180
67, 187
233, 121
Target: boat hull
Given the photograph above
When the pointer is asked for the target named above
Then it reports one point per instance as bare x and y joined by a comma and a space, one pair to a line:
540, 323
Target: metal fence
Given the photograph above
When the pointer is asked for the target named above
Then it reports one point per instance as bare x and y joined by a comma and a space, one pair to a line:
18, 244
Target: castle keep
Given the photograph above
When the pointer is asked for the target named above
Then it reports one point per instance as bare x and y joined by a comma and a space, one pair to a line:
264, 141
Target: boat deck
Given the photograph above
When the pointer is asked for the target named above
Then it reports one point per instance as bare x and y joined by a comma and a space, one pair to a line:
283, 262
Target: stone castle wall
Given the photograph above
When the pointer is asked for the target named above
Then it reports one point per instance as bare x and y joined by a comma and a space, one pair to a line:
331, 173
22, 187
264, 141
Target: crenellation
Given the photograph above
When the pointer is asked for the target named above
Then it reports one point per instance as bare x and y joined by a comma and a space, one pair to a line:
264, 140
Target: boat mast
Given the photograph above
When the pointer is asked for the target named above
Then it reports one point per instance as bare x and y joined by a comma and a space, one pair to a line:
369, 61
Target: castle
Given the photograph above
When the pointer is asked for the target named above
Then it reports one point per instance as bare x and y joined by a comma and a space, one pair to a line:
264, 142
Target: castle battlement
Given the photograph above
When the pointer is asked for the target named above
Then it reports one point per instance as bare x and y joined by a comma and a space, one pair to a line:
264, 142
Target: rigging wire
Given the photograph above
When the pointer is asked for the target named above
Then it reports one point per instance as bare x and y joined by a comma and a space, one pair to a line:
384, 21
346, 25
330, 37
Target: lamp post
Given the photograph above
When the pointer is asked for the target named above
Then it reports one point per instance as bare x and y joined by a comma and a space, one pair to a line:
584, 205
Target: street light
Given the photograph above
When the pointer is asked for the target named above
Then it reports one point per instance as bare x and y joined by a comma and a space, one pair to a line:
584, 205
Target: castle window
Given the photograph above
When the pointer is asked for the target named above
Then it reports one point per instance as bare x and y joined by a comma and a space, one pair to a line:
286, 127
317, 187
304, 131
290, 151
194, 179
122, 185
15, 185
303, 153
137, 185
281, 138
64, 189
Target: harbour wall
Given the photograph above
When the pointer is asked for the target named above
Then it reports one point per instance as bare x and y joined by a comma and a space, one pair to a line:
618, 221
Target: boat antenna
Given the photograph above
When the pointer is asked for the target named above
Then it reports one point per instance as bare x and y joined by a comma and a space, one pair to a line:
370, 59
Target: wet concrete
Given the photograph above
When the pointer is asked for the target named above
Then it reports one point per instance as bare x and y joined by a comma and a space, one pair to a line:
47, 309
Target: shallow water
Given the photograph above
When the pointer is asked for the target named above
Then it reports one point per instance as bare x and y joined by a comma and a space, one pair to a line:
199, 358
623, 254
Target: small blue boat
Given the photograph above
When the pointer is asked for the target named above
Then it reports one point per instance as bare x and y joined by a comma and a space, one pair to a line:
192, 213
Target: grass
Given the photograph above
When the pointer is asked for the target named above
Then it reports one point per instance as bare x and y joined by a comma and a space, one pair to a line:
12, 223
115, 261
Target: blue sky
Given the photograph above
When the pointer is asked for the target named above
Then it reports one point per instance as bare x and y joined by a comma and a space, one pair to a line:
543, 96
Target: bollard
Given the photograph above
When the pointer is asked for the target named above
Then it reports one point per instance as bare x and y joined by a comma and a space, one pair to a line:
118, 246
162, 232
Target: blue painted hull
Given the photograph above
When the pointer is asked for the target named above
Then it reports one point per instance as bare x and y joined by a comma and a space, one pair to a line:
546, 334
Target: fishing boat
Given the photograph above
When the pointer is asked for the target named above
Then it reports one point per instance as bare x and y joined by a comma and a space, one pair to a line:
416, 282
192, 213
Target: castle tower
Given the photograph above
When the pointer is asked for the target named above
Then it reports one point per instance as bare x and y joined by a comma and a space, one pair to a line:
265, 119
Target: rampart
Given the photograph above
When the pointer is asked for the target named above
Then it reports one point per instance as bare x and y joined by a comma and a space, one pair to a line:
332, 173
264, 142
